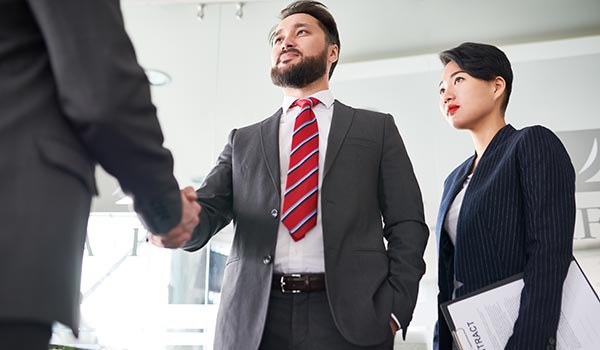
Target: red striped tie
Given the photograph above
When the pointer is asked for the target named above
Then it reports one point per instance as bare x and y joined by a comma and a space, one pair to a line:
301, 188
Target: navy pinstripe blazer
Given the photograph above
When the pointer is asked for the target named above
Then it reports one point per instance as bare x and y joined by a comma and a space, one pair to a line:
518, 215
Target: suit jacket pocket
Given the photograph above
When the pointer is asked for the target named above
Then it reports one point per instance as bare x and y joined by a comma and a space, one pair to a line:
69, 158
357, 156
361, 142
375, 263
370, 282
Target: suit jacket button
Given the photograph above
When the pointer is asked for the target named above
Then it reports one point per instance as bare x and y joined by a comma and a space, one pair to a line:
551, 345
267, 260
274, 213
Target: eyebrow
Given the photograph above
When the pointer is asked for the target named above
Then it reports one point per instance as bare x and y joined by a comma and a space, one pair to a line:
296, 26
453, 74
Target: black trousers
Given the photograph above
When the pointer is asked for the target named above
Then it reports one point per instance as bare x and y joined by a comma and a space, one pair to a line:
304, 322
24, 335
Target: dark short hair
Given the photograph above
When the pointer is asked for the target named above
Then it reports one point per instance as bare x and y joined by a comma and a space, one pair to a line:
482, 61
321, 14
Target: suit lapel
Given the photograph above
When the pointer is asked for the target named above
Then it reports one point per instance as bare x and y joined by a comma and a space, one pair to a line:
269, 133
340, 123
454, 186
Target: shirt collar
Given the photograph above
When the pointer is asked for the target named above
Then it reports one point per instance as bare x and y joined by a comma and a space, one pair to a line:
324, 96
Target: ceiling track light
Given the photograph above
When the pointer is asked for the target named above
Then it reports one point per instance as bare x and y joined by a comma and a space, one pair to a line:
239, 10
200, 11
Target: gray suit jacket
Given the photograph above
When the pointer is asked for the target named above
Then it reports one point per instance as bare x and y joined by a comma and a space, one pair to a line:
71, 95
367, 176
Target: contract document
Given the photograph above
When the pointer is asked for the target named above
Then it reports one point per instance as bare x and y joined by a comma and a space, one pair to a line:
484, 320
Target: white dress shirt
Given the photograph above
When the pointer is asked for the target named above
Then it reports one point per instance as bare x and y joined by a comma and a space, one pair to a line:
451, 222
305, 255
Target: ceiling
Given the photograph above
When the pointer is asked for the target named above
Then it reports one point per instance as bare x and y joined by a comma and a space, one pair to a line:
377, 29
219, 66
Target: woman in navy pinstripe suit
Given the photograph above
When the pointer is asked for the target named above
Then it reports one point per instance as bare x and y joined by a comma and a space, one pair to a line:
507, 209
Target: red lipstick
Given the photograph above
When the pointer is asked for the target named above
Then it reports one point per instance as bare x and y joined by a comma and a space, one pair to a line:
451, 109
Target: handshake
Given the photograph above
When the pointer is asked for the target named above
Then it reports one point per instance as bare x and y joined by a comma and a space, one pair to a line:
180, 234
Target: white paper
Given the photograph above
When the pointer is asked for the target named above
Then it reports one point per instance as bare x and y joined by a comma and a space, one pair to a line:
485, 321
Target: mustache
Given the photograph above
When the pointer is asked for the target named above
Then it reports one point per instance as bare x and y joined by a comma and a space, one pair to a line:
290, 50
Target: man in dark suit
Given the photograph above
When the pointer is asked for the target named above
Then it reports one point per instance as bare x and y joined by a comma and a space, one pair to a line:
309, 268
71, 95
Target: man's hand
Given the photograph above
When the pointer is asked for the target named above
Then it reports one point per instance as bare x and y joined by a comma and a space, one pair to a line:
394, 326
180, 234
191, 209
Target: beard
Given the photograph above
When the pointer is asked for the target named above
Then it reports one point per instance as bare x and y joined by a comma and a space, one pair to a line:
301, 74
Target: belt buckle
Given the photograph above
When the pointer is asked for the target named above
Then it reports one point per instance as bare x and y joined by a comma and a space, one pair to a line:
282, 282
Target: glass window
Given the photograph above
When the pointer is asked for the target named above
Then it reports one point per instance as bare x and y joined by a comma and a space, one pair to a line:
136, 296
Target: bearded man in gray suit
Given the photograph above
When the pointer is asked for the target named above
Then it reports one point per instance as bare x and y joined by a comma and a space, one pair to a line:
327, 280
71, 95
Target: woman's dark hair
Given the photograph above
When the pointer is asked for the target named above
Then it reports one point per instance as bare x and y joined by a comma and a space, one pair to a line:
325, 19
482, 61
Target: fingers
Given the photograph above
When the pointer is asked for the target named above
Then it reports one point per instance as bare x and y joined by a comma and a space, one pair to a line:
189, 193
182, 233
176, 238
189, 213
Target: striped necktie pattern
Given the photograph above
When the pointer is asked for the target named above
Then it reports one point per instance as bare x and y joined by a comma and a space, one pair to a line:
302, 184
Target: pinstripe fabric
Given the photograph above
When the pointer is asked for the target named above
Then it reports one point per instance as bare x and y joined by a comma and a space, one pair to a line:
517, 215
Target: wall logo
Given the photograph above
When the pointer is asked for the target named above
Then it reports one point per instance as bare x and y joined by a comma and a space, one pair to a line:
584, 148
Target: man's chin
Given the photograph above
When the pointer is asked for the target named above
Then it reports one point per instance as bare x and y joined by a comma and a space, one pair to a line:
284, 67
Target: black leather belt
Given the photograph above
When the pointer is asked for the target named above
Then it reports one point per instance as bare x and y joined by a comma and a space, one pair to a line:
299, 283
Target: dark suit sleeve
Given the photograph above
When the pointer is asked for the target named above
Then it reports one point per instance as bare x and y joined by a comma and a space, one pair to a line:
105, 95
404, 224
548, 185
215, 195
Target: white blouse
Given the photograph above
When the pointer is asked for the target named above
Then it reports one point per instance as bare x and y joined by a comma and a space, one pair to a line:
451, 221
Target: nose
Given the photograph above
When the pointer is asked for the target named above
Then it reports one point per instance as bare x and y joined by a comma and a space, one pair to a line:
447, 96
286, 43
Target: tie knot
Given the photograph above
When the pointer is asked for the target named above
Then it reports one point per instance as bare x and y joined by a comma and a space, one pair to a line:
304, 102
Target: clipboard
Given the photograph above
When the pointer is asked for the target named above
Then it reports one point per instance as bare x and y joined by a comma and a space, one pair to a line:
484, 318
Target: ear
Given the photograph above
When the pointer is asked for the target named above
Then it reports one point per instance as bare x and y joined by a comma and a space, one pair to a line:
333, 53
499, 87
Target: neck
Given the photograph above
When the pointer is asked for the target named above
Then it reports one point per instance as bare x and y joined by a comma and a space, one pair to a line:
483, 135
316, 86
